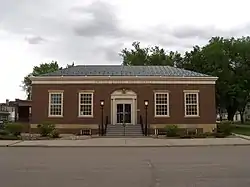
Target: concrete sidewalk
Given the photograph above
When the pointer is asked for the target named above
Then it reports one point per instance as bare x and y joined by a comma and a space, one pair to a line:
129, 142
242, 136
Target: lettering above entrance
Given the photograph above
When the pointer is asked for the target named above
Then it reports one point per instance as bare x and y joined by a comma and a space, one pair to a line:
123, 107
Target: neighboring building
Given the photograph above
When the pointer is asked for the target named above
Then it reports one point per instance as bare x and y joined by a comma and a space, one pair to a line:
247, 112
7, 111
237, 117
16, 111
70, 98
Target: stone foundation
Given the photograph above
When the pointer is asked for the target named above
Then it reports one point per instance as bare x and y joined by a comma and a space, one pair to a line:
201, 128
70, 128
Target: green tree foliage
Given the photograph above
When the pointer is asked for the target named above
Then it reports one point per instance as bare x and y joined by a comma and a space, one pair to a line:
149, 56
226, 58
39, 70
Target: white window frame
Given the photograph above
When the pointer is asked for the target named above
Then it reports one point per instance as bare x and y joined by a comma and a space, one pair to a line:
187, 92
79, 103
161, 92
51, 93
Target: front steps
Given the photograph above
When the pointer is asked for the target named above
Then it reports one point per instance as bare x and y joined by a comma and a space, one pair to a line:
119, 130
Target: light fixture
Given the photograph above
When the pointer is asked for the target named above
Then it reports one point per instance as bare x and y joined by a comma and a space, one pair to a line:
102, 103
146, 102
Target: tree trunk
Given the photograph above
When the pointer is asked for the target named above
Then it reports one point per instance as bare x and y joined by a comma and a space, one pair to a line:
220, 117
220, 113
242, 117
230, 112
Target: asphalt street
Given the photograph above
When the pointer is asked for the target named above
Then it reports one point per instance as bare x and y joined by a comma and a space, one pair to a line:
125, 167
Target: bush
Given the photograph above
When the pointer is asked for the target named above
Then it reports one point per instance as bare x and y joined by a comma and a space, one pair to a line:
3, 132
209, 134
202, 135
172, 130
8, 137
54, 134
225, 128
14, 128
220, 135
45, 129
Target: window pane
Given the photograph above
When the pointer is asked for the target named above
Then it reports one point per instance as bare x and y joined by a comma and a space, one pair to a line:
56, 110
85, 104
191, 98
161, 99
191, 110
161, 104
56, 98
86, 110
85, 98
161, 110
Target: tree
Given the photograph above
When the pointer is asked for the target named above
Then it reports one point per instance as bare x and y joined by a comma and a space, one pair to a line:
147, 56
40, 70
226, 58
69, 66
242, 71
136, 56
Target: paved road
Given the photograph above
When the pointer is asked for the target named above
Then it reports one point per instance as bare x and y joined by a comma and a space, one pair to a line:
125, 167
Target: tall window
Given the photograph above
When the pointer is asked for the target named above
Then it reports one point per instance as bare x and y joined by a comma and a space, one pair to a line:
161, 104
56, 104
85, 104
191, 103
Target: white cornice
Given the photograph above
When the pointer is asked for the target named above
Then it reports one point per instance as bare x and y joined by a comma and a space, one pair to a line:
121, 80
124, 82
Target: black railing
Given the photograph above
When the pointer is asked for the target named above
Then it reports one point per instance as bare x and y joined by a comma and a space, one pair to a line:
142, 126
106, 124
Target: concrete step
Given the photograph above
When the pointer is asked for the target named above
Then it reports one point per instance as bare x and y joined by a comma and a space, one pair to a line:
121, 131
122, 136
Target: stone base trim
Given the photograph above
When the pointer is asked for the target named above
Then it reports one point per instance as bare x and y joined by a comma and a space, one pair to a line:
70, 126
205, 127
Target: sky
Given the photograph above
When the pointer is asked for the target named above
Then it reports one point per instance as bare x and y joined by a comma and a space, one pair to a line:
95, 31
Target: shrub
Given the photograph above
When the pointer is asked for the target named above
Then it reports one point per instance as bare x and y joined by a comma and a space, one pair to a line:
3, 132
172, 130
209, 134
8, 137
54, 134
225, 128
45, 129
14, 128
220, 135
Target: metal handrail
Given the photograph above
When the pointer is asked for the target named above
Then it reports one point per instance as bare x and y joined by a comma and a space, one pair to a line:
142, 126
106, 124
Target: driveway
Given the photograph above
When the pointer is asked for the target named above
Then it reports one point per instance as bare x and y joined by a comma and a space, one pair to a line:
134, 167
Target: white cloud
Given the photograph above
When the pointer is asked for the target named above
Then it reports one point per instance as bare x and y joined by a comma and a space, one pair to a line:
94, 32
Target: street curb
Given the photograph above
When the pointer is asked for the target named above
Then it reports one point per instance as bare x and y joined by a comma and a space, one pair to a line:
14, 143
127, 146
8, 145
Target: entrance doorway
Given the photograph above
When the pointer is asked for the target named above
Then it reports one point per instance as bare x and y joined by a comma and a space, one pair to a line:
123, 107
123, 113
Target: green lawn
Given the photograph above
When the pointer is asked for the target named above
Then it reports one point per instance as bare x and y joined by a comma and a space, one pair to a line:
242, 130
